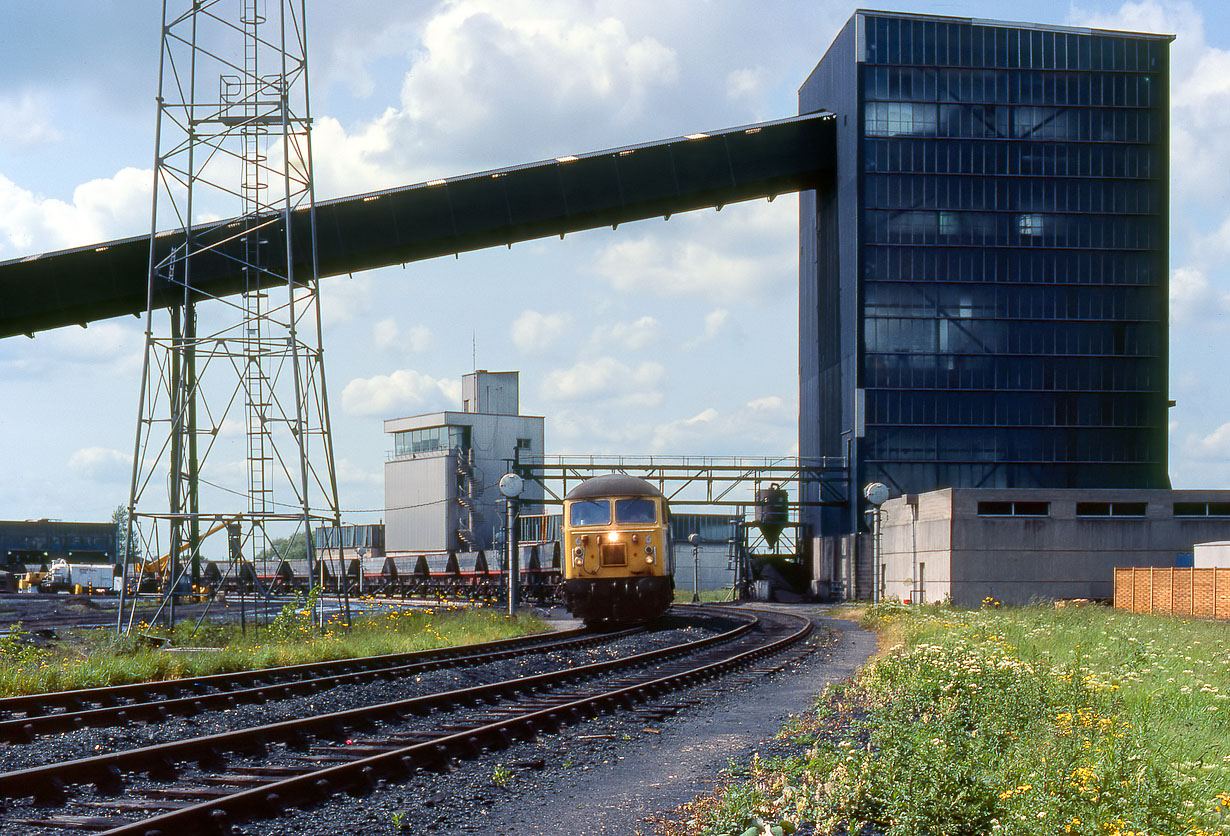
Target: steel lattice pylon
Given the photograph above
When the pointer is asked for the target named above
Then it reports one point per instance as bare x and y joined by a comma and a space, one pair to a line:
239, 380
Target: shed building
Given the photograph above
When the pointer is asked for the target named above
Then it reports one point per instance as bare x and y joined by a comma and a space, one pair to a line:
1018, 546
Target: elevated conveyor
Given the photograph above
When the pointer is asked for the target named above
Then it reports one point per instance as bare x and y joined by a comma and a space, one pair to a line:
441, 217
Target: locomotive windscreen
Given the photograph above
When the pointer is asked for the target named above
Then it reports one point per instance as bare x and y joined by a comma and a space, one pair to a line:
590, 512
635, 511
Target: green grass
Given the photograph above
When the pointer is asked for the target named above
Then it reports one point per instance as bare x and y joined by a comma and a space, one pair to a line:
1011, 721
707, 596
96, 658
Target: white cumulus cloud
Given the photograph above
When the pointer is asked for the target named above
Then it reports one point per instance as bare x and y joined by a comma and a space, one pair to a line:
677, 435
746, 83
764, 426
743, 255
480, 66
388, 336
537, 333
391, 395
112, 347
1214, 446
769, 404
345, 299
101, 464
352, 474
634, 336
715, 324
1192, 297
582, 431
606, 379
25, 121
101, 209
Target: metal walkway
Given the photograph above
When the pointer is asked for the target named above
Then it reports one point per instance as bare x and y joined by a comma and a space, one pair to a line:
695, 481
441, 217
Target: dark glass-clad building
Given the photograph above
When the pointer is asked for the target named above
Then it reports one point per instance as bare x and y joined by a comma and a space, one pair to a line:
983, 292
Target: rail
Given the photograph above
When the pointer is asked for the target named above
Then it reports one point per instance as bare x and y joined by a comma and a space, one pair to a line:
502, 713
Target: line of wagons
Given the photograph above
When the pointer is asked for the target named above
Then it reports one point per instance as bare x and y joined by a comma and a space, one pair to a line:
618, 567
458, 576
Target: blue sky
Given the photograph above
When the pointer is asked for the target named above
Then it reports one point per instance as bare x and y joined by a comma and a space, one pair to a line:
696, 316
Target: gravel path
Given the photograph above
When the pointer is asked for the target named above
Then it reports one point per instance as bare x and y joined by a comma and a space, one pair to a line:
669, 769
603, 777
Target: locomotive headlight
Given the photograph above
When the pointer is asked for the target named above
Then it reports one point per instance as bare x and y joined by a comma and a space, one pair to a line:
612, 537
649, 558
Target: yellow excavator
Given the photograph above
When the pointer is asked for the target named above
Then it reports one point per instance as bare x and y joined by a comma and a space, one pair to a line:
153, 573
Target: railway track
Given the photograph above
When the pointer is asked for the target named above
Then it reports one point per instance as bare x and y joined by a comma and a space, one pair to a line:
24, 718
208, 784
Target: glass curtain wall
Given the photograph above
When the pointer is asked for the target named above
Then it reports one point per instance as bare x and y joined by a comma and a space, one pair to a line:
1012, 256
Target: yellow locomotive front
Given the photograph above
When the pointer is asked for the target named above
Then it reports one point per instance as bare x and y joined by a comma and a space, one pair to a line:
617, 547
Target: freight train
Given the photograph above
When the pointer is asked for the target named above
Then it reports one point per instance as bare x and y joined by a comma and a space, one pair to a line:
618, 565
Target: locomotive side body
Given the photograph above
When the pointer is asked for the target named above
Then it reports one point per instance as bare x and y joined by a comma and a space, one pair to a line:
616, 544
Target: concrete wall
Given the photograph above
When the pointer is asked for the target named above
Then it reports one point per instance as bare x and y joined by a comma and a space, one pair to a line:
495, 393
1215, 555
420, 502
916, 547
1016, 559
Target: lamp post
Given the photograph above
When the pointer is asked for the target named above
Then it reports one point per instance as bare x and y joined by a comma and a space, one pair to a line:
511, 486
877, 494
694, 539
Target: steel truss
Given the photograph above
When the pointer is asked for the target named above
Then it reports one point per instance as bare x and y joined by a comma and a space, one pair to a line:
695, 481
233, 419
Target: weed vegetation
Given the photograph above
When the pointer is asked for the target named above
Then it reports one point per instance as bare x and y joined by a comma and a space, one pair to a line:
1007, 721
154, 652
707, 596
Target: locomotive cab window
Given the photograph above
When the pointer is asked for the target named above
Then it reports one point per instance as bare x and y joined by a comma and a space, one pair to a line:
590, 512
635, 511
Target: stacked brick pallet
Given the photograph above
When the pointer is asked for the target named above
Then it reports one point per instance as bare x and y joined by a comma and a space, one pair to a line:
1195, 593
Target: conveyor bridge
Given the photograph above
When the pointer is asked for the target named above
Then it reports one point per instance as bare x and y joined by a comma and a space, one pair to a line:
440, 217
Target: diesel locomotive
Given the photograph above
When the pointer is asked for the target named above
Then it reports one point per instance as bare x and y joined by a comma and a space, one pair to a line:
618, 566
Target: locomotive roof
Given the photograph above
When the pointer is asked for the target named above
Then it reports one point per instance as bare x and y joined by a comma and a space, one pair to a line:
613, 484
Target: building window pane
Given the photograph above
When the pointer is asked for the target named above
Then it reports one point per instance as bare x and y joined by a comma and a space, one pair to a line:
1111, 509
899, 119
1014, 509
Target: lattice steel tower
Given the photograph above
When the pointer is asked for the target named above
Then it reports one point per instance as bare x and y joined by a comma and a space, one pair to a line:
233, 426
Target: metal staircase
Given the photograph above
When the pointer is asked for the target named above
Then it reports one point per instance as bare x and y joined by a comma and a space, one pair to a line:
468, 524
